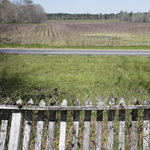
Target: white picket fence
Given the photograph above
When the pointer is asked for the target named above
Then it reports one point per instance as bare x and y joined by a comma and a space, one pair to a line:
18, 110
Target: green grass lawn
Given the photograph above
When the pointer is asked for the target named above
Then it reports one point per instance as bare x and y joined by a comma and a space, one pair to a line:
71, 77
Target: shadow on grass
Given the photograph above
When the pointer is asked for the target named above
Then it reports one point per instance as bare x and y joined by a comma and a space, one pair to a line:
14, 85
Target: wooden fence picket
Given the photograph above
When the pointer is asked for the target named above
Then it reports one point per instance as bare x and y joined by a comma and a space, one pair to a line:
15, 131
87, 124
63, 126
27, 130
146, 130
121, 125
110, 126
4, 126
51, 128
40, 124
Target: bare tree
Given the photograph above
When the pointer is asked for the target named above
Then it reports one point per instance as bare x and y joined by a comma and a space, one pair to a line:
4, 8
24, 11
147, 17
139, 17
124, 16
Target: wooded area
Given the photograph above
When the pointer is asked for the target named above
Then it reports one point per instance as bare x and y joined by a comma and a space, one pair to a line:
65, 16
23, 11
122, 16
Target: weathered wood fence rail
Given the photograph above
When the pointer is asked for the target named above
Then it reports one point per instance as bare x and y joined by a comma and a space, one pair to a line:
19, 110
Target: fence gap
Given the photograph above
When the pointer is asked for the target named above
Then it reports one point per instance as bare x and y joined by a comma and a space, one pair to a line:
75, 131
99, 126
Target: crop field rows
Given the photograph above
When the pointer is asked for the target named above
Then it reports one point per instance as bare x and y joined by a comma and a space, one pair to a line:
78, 33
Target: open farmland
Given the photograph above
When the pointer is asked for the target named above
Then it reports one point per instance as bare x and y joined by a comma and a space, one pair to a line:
77, 33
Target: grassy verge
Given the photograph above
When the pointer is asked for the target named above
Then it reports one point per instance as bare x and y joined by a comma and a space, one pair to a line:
15, 45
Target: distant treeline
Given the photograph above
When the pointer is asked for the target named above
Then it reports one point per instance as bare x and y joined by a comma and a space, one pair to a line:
123, 16
65, 16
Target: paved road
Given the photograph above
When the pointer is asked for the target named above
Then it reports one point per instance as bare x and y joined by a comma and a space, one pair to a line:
73, 52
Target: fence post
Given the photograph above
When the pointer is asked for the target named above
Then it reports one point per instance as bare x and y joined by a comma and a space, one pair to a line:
63, 125
15, 131
134, 128
121, 145
75, 126
4, 126
111, 116
40, 124
87, 123
146, 130
51, 127
99, 126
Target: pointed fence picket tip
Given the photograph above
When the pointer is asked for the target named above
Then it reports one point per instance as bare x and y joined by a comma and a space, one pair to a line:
53, 103
112, 102
134, 101
100, 102
88, 103
64, 103
77, 102
19, 102
122, 102
42, 103
146, 102
30, 102
8, 99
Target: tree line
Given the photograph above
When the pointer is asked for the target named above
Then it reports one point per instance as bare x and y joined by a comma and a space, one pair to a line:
122, 16
23, 11
66, 16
